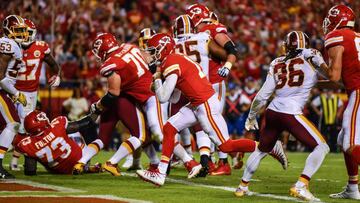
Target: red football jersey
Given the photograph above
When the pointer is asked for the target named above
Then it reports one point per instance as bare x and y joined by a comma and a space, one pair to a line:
350, 40
28, 77
54, 149
192, 82
136, 79
214, 64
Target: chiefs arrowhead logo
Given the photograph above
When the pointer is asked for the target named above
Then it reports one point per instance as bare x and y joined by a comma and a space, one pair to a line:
334, 12
163, 41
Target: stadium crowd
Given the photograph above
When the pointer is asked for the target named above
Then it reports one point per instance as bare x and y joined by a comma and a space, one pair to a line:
256, 28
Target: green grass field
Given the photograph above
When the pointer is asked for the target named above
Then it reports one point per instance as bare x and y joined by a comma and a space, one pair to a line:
269, 179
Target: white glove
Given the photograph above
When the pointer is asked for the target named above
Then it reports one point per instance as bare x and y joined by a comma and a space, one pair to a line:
251, 124
225, 70
54, 81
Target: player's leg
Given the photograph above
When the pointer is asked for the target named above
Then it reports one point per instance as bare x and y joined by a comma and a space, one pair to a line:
88, 151
154, 116
31, 98
204, 143
304, 131
181, 120
185, 137
268, 138
349, 139
10, 118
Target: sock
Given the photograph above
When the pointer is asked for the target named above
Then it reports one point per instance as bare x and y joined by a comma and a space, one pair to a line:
15, 158
239, 145
244, 183
180, 152
163, 165
355, 153
252, 164
352, 171
314, 160
168, 141
204, 159
204, 143
222, 155
302, 181
6, 137
91, 150
127, 147
151, 154
186, 140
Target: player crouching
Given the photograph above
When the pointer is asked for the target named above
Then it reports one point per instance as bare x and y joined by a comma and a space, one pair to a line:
186, 75
291, 78
49, 143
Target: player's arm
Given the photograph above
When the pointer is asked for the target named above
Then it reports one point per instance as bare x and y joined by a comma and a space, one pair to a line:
335, 63
217, 51
83, 123
54, 81
164, 90
114, 82
224, 41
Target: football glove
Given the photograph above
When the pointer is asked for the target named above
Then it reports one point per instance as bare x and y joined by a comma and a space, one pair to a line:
54, 81
225, 70
20, 97
251, 124
94, 109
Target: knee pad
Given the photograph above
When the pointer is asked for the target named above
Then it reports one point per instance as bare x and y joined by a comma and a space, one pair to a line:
323, 147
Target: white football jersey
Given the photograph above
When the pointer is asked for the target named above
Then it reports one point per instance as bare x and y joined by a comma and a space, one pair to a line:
291, 81
9, 46
196, 47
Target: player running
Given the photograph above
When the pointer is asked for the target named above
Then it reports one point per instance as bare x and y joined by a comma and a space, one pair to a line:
290, 79
181, 72
50, 144
15, 32
206, 21
35, 52
343, 47
127, 73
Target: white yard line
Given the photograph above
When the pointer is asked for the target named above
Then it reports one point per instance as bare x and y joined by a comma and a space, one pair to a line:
42, 185
230, 189
108, 197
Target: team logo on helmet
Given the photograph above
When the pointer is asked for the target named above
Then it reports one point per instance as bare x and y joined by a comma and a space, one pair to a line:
334, 12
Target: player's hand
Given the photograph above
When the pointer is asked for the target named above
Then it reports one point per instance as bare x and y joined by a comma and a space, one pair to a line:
223, 71
20, 97
251, 124
54, 81
95, 109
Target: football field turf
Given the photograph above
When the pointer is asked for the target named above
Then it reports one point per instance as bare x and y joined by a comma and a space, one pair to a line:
271, 183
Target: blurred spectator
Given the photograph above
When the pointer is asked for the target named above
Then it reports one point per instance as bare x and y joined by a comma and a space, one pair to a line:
77, 106
329, 107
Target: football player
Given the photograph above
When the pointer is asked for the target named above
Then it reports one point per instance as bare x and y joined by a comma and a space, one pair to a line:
180, 71
35, 52
206, 21
198, 47
127, 73
342, 44
15, 32
290, 79
50, 144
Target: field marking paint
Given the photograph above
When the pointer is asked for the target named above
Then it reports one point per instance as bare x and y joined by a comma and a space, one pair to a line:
230, 189
42, 185
107, 197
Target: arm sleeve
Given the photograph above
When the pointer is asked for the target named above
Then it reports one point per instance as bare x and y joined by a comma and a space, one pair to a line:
164, 90
263, 95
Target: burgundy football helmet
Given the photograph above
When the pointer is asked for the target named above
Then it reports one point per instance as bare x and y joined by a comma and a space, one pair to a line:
338, 16
104, 44
14, 27
36, 122
145, 35
183, 25
198, 13
296, 40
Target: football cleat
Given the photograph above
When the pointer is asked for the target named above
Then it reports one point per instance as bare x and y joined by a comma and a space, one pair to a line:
78, 169
153, 167
14, 167
242, 191
193, 168
302, 193
279, 154
154, 177
111, 168
346, 194
222, 169
5, 175
95, 168
175, 161
238, 161
211, 166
